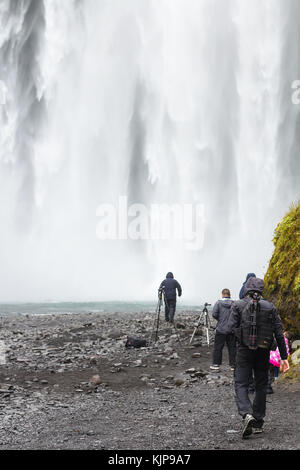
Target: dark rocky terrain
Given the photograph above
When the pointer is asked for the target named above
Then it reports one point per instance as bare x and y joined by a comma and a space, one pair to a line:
68, 382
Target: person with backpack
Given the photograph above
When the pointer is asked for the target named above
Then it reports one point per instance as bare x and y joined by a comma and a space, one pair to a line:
255, 322
170, 286
221, 312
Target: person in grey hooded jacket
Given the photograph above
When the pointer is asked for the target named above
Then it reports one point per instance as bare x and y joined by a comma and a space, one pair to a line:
221, 312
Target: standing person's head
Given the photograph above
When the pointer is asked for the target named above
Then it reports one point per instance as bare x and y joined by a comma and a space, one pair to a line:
226, 294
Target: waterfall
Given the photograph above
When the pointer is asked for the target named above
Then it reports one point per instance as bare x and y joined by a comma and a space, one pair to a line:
161, 102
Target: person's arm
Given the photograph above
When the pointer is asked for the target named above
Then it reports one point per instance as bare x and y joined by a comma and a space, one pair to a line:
215, 311
278, 332
284, 363
234, 318
178, 286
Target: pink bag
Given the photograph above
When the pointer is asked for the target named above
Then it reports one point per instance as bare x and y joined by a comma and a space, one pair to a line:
275, 355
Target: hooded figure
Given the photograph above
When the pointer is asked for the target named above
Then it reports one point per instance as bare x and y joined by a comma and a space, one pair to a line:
242, 291
254, 284
249, 360
170, 286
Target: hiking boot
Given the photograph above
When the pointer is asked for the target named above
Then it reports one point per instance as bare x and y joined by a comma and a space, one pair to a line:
257, 427
248, 422
215, 367
259, 430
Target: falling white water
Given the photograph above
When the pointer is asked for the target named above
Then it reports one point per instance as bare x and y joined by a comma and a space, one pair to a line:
162, 101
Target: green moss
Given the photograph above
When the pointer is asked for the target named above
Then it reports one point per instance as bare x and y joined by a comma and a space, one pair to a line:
282, 279
292, 375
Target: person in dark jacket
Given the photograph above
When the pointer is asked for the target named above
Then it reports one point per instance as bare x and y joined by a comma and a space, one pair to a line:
221, 312
171, 287
242, 291
256, 360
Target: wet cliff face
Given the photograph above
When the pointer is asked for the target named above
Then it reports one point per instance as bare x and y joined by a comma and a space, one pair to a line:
282, 280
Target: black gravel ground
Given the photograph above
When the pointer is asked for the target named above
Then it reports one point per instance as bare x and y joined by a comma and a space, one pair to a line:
162, 397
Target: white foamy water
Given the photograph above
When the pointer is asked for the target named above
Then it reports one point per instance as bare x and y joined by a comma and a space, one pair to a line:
164, 101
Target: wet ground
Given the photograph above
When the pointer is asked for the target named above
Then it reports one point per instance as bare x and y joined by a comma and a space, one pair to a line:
163, 396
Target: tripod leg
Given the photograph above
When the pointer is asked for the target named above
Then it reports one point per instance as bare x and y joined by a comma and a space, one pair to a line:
207, 336
207, 327
157, 326
155, 322
178, 336
196, 328
153, 328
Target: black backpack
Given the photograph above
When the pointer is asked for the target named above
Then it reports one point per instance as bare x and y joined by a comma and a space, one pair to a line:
257, 323
134, 342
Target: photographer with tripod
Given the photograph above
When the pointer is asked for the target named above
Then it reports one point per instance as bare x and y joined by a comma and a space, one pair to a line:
170, 286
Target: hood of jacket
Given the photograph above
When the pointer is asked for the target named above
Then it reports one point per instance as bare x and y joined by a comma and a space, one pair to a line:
254, 284
227, 302
249, 275
170, 275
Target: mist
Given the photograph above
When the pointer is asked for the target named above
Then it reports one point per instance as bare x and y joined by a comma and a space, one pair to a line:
161, 102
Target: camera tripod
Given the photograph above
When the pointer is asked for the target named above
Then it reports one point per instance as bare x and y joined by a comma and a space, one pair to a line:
203, 320
155, 328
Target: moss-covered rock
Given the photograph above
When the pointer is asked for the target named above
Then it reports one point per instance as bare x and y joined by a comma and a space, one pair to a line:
282, 279
292, 375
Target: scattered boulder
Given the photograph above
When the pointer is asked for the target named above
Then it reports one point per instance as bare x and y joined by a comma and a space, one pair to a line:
115, 334
95, 380
179, 380
94, 360
295, 344
192, 370
295, 357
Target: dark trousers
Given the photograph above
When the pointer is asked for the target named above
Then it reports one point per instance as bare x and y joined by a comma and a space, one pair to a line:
250, 362
220, 340
170, 307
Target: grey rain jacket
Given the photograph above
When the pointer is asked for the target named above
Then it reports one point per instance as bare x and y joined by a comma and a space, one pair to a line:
221, 312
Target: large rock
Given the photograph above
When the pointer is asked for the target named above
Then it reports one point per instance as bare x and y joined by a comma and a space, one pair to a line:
295, 357
282, 280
